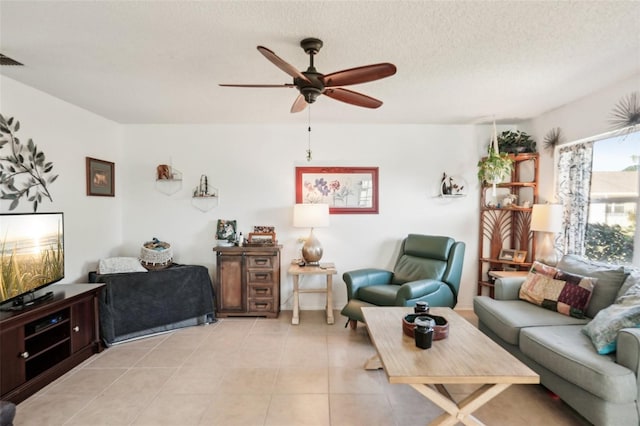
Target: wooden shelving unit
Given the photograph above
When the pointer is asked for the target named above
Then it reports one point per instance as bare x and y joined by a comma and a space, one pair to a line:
507, 227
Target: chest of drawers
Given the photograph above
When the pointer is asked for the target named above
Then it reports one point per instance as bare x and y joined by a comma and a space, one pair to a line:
247, 281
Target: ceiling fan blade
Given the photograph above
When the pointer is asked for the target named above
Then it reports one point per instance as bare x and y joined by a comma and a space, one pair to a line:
257, 85
283, 65
353, 98
359, 75
299, 104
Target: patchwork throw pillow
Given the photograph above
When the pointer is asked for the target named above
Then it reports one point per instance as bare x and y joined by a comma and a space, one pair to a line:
557, 290
610, 279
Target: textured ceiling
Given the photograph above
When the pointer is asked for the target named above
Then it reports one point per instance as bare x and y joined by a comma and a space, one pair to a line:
458, 62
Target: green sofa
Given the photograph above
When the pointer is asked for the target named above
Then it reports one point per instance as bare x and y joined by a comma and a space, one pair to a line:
428, 268
604, 389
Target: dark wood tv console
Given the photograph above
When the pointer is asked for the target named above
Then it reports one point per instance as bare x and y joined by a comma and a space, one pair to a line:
42, 342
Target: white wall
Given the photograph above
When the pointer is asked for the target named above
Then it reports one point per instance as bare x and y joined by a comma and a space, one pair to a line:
578, 120
253, 168
67, 134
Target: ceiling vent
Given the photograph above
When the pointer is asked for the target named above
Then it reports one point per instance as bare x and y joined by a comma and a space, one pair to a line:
5, 60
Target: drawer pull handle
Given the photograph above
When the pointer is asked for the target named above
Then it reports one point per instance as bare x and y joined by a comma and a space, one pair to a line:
261, 305
262, 290
24, 355
261, 261
262, 276
76, 328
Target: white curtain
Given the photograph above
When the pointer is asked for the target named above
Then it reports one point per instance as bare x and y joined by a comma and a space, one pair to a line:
574, 186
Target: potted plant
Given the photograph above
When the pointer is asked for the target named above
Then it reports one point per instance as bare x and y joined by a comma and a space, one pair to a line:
496, 166
516, 142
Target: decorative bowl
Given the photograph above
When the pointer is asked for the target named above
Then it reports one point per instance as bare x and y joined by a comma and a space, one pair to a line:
440, 331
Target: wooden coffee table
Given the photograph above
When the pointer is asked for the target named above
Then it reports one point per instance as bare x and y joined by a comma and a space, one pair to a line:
466, 356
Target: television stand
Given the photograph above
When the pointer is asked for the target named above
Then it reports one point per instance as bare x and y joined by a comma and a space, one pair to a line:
42, 341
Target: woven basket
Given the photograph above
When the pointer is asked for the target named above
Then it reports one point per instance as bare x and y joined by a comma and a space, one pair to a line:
440, 331
156, 255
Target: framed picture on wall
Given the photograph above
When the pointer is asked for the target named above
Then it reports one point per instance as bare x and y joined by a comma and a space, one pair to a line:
100, 177
344, 189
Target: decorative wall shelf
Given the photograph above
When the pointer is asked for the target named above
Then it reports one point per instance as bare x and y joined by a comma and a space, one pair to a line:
204, 203
205, 197
453, 186
168, 186
168, 179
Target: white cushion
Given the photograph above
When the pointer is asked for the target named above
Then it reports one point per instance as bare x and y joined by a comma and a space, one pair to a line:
116, 265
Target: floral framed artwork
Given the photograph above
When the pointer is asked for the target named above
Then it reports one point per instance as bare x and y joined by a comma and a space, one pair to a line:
347, 190
100, 177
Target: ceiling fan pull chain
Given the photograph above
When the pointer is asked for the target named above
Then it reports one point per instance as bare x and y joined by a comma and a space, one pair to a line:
309, 139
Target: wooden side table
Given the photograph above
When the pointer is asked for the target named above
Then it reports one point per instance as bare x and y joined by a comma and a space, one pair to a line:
327, 269
507, 274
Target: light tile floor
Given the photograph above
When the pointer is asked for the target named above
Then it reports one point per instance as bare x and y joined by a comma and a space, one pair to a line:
256, 371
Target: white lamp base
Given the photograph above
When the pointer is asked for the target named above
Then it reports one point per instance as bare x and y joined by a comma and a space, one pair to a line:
546, 252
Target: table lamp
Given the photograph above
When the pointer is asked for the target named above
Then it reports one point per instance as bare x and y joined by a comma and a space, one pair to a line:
546, 218
311, 216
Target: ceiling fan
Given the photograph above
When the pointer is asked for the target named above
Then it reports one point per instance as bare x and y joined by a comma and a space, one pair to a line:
311, 83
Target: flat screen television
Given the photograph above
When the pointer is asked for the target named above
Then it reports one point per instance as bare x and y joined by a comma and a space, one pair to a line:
31, 257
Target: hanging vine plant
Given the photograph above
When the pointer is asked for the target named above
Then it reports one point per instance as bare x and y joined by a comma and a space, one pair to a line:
24, 172
496, 166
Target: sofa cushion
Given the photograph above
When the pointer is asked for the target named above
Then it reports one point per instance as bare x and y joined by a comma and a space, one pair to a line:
603, 329
610, 280
381, 295
507, 317
557, 290
567, 352
633, 280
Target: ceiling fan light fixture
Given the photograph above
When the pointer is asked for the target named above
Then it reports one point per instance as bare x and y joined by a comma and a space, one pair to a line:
311, 83
310, 94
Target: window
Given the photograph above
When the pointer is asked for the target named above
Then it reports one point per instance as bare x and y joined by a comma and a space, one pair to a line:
612, 234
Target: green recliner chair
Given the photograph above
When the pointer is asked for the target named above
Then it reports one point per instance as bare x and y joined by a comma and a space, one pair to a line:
428, 268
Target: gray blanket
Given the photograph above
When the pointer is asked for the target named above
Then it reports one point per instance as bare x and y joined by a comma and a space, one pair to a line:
136, 304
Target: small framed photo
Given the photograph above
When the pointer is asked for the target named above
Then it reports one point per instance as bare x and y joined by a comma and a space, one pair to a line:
264, 229
100, 177
264, 238
226, 230
519, 256
507, 254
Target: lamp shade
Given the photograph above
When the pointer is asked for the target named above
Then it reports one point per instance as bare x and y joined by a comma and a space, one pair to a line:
310, 215
546, 218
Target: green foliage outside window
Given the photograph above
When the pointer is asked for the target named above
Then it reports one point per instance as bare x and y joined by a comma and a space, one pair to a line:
609, 243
